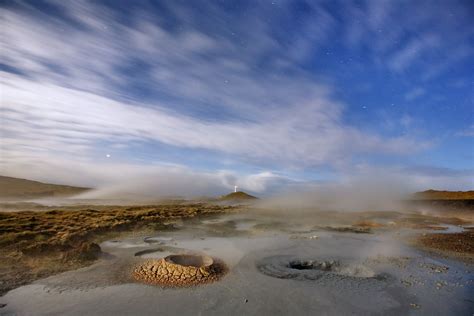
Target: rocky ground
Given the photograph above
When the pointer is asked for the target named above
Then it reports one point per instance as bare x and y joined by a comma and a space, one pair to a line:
457, 244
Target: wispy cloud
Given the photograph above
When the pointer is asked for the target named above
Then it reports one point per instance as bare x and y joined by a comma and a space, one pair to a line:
468, 132
88, 78
69, 121
414, 93
411, 52
417, 35
71, 98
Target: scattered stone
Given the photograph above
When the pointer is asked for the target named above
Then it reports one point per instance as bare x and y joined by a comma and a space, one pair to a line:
407, 283
458, 243
434, 268
415, 305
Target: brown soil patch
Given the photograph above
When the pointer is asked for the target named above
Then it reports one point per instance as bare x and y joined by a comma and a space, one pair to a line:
460, 243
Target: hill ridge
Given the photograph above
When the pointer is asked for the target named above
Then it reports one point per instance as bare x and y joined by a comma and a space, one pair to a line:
239, 195
444, 195
11, 187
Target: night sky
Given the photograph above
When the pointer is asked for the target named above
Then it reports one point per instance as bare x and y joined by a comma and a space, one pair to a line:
267, 95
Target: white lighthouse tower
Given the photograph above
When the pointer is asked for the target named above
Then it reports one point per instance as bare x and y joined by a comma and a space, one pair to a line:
235, 188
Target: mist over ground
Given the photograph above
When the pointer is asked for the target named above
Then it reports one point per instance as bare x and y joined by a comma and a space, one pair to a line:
355, 193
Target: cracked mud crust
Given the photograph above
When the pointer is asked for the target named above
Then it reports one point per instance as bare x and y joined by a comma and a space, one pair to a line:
180, 271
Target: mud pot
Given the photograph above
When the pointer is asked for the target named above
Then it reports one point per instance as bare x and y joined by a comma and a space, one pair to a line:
270, 265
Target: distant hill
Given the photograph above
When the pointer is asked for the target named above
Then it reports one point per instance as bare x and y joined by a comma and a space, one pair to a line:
238, 196
22, 188
444, 195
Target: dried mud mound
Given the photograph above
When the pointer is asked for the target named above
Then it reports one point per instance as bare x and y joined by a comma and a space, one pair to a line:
180, 270
326, 272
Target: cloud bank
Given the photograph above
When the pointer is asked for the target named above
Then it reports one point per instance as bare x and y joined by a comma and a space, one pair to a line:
85, 80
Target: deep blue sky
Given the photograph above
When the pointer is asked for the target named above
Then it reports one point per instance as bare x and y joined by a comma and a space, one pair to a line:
263, 94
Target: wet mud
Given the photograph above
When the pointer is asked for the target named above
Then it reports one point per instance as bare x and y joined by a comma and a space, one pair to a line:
273, 266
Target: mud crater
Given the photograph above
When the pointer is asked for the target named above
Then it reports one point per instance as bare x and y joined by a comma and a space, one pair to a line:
313, 265
180, 270
340, 272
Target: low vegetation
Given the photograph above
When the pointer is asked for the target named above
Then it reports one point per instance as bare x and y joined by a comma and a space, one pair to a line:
36, 244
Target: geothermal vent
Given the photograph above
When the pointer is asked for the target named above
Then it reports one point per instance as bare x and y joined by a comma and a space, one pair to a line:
180, 270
